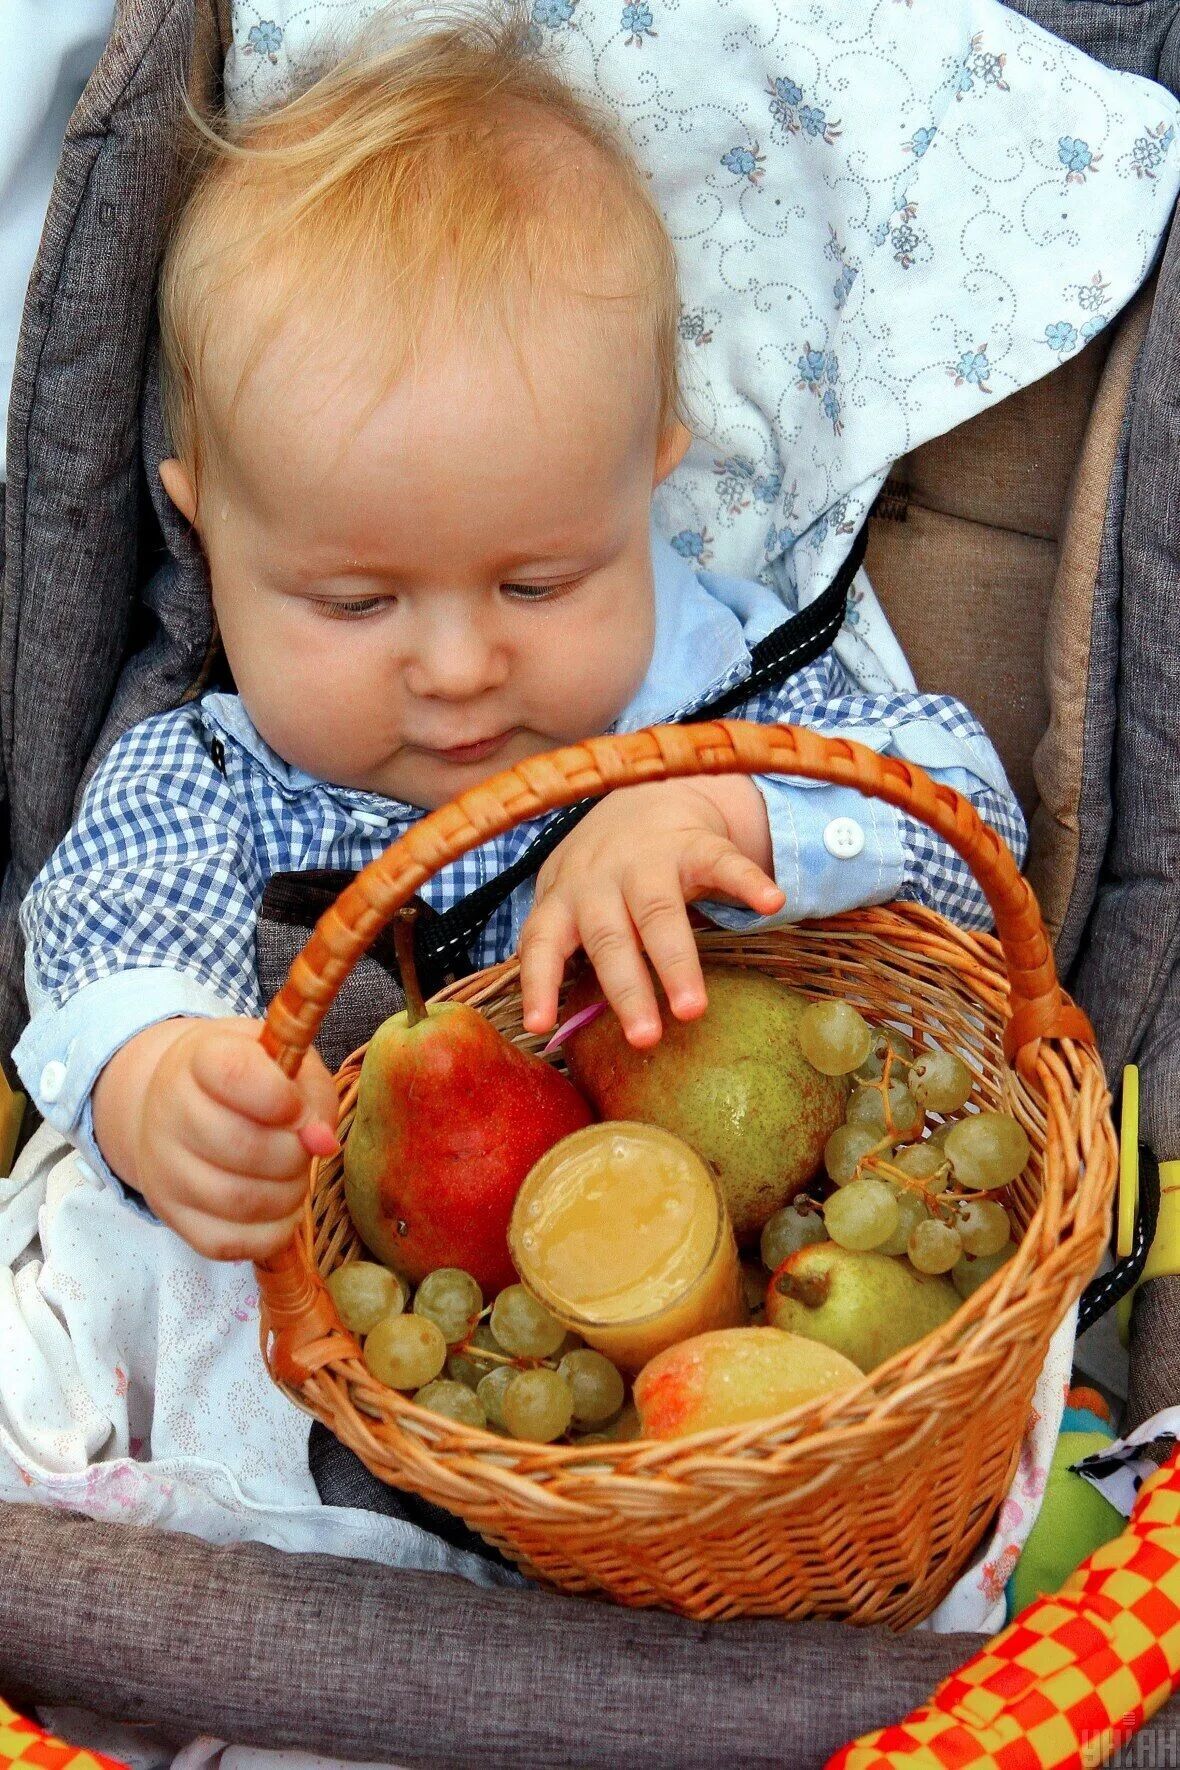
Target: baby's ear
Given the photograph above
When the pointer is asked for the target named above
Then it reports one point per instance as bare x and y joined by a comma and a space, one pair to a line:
673, 447
177, 482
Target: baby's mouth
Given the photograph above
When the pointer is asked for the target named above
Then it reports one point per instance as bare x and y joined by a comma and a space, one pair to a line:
474, 752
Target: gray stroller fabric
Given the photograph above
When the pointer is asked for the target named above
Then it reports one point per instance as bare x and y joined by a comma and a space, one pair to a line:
421, 1669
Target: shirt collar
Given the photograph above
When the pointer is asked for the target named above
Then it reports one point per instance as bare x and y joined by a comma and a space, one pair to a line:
705, 625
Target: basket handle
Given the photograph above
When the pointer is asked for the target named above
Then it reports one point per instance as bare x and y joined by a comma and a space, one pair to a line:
598, 765
297, 1309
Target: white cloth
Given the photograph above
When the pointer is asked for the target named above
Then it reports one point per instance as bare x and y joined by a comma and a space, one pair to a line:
132, 1389
46, 55
887, 216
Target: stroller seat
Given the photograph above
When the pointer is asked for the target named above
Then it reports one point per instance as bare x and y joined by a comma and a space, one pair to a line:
1047, 528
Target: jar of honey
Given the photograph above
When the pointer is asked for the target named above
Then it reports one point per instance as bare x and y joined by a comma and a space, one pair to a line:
621, 1231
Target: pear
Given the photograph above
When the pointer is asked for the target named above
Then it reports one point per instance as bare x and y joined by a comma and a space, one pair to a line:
867, 1306
733, 1084
731, 1375
449, 1119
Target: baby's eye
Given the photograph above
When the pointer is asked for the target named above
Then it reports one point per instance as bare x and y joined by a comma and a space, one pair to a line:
532, 592
342, 610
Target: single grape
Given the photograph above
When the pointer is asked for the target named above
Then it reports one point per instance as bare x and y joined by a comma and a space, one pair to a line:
934, 1246
969, 1274
452, 1300
595, 1384
834, 1038
454, 1400
464, 1363
911, 1210
620, 1431
847, 1146
940, 1081
983, 1225
867, 1108
886, 1039
987, 1150
405, 1351
363, 1292
789, 1230
926, 1163
862, 1214
490, 1392
525, 1327
538, 1405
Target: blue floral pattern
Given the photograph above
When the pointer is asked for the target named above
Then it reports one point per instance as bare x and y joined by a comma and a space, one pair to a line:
1151, 149
1063, 336
980, 69
1078, 158
637, 22
848, 243
693, 327
972, 369
553, 14
746, 162
265, 38
792, 117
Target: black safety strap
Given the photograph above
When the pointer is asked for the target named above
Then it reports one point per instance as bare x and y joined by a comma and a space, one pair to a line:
442, 945
1103, 1292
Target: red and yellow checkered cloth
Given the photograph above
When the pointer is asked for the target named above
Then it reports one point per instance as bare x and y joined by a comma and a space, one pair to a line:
23, 1742
1072, 1677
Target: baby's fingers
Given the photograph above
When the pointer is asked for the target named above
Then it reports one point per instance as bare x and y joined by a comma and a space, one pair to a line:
729, 871
656, 904
547, 939
609, 937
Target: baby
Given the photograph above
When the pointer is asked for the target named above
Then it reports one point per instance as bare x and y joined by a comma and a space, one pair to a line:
420, 356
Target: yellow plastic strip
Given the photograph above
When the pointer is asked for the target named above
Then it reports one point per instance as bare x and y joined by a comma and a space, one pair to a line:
12, 1108
1164, 1259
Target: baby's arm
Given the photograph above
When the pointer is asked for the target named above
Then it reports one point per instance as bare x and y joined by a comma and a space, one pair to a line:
833, 848
619, 882
143, 1042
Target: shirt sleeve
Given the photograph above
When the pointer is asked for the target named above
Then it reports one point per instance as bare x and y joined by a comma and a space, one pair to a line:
146, 910
835, 849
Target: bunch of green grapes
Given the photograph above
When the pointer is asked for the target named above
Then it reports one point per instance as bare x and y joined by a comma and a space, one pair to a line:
512, 1367
898, 1188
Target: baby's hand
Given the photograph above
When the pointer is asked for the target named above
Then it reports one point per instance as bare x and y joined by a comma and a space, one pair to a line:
214, 1135
619, 882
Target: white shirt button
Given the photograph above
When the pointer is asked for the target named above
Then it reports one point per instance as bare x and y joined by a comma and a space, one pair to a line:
53, 1080
844, 838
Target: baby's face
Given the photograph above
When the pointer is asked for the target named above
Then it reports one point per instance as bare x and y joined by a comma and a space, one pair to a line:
413, 599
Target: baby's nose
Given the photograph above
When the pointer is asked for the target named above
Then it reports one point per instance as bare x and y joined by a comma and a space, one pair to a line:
455, 665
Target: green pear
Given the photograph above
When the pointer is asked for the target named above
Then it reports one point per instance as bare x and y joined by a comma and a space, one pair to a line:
733, 1084
867, 1306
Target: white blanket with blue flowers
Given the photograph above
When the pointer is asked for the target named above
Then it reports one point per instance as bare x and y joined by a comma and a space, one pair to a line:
888, 214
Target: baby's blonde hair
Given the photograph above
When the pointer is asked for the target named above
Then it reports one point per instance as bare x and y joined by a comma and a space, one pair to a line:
454, 166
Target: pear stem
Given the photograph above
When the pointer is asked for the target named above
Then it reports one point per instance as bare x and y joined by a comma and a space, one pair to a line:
811, 1289
403, 946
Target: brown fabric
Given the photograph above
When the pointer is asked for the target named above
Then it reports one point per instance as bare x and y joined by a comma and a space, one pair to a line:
1058, 761
1011, 466
968, 604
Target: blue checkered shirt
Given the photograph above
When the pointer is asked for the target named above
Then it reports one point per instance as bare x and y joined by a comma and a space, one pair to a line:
148, 907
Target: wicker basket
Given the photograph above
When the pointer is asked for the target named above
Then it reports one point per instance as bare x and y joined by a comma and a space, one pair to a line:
866, 1505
